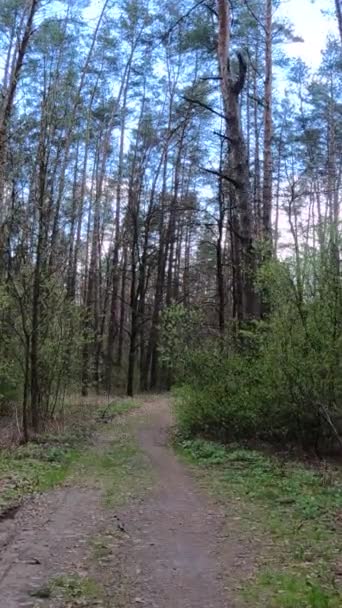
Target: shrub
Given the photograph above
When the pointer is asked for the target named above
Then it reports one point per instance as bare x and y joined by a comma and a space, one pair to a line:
284, 382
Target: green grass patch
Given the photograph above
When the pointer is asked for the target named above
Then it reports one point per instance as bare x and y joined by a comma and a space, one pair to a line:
291, 590
33, 468
116, 408
294, 508
117, 465
76, 590
45, 463
102, 546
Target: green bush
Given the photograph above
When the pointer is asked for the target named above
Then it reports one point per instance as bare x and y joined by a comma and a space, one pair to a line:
60, 344
222, 407
284, 380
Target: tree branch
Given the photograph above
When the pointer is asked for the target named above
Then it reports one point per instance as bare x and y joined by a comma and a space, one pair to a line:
203, 105
222, 176
181, 18
254, 15
223, 136
240, 81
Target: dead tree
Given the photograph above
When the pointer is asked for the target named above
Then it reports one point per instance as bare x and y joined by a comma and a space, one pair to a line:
237, 174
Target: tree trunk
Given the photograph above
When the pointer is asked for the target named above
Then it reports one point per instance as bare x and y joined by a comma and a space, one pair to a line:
26, 390
8, 95
36, 297
152, 351
238, 170
122, 308
113, 321
338, 5
219, 248
268, 161
134, 308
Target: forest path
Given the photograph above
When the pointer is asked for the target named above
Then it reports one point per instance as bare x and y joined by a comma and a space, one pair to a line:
171, 548
180, 553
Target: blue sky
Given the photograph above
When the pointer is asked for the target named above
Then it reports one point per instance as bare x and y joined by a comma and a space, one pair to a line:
311, 25
308, 20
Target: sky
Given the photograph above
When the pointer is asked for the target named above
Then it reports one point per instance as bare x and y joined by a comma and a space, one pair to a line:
308, 21
311, 25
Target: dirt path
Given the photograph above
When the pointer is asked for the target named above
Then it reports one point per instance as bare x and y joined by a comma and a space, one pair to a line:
48, 534
175, 551
179, 555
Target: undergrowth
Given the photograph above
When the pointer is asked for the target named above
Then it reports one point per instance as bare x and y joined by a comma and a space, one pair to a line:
296, 513
76, 590
116, 408
34, 468
51, 457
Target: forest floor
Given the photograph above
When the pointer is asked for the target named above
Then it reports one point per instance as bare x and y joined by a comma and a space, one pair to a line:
134, 522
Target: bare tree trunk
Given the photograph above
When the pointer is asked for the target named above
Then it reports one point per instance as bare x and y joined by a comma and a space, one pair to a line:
238, 170
338, 5
152, 351
122, 307
26, 389
71, 279
80, 212
277, 195
219, 248
113, 321
186, 273
8, 94
90, 295
134, 196
133, 298
143, 284
256, 129
36, 296
268, 161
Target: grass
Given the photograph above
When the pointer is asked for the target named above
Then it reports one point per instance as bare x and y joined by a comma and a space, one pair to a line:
52, 457
33, 468
116, 465
101, 546
292, 511
118, 407
75, 590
